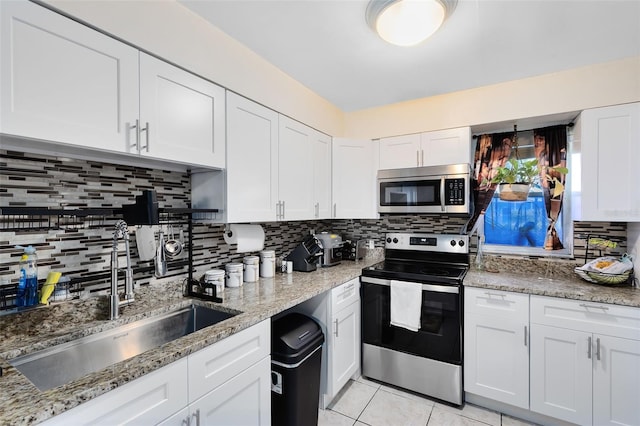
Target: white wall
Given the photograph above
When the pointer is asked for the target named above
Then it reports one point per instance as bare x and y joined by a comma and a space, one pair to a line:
171, 31
573, 90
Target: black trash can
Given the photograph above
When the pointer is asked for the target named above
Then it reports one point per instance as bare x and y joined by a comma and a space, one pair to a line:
296, 354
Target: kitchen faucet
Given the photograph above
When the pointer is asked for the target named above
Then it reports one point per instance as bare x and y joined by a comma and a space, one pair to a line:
128, 297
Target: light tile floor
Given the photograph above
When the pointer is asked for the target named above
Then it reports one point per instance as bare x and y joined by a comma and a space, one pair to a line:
365, 403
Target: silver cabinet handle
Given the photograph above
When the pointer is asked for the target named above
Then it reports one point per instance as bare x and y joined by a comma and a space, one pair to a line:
278, 210
336, 321
488, 293
317, 206
186, 422
589, 347
422, 157
146, 131
137, 134
283, 210
586, 306
442, 197
197, 416
334, 210
598, 348
525, 335
418, 158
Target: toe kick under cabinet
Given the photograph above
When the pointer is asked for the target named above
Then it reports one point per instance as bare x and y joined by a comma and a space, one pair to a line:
227, 383
338, 312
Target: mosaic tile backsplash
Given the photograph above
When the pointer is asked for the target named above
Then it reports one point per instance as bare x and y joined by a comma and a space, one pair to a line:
81, 248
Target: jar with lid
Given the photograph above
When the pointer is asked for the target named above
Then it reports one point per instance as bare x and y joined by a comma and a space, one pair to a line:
251, 267
267, 263
214, 278
234, 274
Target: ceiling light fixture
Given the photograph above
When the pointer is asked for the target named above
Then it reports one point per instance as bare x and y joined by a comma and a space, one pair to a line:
408, 22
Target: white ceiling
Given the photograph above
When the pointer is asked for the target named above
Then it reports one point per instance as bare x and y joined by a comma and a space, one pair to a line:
327, 46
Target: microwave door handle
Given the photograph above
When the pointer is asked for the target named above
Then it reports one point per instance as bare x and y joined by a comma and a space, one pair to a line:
442, 196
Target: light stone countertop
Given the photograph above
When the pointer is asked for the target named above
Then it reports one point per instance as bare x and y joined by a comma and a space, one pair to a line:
548, 278
27, 332
21, 403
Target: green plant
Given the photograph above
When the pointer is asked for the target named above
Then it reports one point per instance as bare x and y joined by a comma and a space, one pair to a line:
527, 172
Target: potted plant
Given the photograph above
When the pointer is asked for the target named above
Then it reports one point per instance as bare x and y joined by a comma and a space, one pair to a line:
516, 177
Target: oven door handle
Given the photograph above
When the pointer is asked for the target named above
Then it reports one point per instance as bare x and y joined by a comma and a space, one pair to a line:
454, 289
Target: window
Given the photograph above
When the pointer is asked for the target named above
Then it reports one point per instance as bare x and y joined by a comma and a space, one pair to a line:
519, 227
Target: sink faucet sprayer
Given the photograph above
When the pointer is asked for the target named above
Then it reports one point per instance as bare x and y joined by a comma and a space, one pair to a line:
121, 229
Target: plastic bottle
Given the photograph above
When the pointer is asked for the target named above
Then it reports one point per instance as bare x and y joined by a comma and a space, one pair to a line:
28, 284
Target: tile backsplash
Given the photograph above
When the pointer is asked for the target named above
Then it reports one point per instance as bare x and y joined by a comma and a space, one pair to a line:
81, 248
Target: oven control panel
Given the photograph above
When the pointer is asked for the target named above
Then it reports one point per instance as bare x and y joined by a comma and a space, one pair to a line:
446, 243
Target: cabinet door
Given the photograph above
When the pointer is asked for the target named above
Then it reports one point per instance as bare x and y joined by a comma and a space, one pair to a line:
252, 161
295, 170
223, 360
64, 82
353, 179
181, 115
144, 401
610, 156
451, 146
496, 359
322, 175
400, 151
616, 381
344, 347
561, 372
243, 400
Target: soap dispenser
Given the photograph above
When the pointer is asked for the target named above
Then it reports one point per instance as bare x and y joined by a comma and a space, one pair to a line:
28, 284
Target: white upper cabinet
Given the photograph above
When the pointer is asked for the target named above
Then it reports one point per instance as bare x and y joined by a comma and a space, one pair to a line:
441, 147
295, 173
252, 163
322, 175
353, 179
181, 115
64, 82
398, 152
451, 146
609, 140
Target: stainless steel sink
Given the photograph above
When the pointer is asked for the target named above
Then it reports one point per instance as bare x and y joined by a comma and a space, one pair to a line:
69, 361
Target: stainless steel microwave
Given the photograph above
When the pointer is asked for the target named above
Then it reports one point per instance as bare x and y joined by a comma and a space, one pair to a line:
431, 189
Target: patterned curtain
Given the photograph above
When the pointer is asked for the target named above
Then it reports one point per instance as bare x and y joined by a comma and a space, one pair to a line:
492, 151
550, 147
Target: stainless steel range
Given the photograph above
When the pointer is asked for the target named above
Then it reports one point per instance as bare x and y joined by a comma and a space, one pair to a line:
426, 358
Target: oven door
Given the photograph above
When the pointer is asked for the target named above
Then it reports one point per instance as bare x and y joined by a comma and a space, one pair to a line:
439, 336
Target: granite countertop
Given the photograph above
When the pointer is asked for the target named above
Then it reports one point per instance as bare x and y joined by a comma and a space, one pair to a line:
27, 332
549, 278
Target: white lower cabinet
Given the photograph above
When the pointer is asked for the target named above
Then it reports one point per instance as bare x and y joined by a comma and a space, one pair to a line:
585, 361
227, 383
144, 401
338, 312
496, 355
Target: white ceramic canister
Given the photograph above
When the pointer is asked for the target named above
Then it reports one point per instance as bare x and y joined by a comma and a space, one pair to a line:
215, 278
234, 274
251, 268
267, 263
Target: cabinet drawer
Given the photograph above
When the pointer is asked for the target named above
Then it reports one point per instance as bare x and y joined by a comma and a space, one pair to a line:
591, 317
212, 366
345, 295
507, 305
146, 400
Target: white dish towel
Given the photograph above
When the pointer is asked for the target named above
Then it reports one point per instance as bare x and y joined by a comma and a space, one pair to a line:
406, 302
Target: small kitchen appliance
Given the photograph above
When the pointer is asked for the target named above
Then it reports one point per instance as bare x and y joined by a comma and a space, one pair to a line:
427, 359
430, 189
305, 255
354, 249
331, 248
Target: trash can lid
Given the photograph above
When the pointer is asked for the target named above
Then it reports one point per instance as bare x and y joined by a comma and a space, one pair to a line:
294, 336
